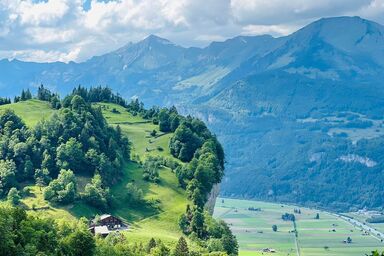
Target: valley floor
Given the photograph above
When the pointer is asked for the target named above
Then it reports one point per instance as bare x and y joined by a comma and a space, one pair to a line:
323, 236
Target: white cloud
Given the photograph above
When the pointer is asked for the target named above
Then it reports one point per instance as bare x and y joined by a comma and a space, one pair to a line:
43, 13
271, 12
62, 30
274, 30
375, 10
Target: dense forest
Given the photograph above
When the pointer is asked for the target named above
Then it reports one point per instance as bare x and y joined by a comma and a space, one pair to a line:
77, 141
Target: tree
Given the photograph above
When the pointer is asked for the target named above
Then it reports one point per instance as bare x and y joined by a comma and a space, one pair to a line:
184, 142
70, 155
151, 168
78, 103
288, 217
184, 224
181, 248
80, 243
197, 223
55, 102
153, 133
317, 216
26, 235
230, 244
174, 120
164, 124
349, 240
274, 228
62, 189
7, 175
151, 244
215, 245
134, 194
43, 93
10, 122
160, 250
42, 177
48, 163
13, 196
27, 94
4, 101
95, 194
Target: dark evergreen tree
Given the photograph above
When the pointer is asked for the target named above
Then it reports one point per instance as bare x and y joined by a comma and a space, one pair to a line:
43, 93
181, 248
151, 244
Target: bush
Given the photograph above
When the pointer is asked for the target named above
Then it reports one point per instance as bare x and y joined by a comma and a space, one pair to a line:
13, 196
151, 168
115, 111
63, 189
134, 194
215, 245
95, 194
26, 191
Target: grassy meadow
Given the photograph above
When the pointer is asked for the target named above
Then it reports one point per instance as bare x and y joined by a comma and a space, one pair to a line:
315, 236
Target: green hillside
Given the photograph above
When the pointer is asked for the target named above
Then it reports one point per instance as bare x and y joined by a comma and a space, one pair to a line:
147, 222
65, 162
31, 111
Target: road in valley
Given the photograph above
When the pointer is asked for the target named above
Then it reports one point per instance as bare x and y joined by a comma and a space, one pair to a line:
370, 230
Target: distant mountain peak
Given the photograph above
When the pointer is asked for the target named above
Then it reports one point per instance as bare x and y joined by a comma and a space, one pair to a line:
343, 27
153, 39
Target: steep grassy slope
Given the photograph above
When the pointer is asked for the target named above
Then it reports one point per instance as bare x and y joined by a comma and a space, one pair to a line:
164, 222
159, 219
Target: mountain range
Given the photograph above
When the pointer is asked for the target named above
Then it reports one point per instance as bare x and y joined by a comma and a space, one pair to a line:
300, 116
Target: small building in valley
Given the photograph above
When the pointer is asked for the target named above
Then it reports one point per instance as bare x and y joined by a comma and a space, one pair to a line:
269, 250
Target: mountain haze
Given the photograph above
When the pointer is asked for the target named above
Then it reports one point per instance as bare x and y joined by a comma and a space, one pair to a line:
301, 116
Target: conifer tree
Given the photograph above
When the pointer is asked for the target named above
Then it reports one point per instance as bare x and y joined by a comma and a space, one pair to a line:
181, 248
151, 244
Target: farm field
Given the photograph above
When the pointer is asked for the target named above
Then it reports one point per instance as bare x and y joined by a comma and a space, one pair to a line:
323, 236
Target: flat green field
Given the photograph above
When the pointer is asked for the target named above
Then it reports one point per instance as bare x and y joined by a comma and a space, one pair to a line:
159, 221
318, 237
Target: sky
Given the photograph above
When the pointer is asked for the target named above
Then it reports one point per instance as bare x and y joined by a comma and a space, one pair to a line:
76, 30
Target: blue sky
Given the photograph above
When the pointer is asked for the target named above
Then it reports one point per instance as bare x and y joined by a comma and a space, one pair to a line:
75, 30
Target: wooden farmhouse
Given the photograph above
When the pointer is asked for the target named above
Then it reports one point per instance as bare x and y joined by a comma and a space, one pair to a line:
106, 224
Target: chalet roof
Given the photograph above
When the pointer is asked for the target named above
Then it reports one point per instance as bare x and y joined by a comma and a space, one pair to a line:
104, 216
102, 230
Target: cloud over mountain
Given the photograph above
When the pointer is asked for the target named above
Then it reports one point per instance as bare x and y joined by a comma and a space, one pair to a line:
64, 30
